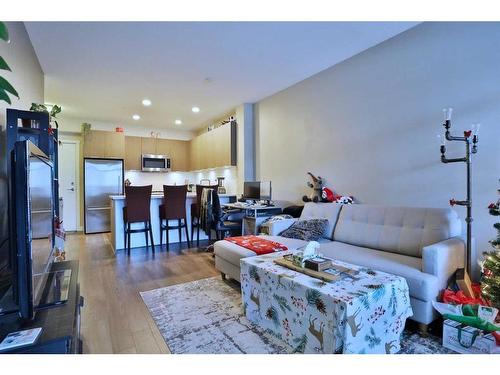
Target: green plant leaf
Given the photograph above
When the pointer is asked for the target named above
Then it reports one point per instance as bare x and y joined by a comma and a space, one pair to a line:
4, 84
4, 97
3, 64
4, 33
55, 110
38, 107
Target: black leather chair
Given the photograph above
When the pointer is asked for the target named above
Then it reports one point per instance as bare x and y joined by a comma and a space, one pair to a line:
225, 220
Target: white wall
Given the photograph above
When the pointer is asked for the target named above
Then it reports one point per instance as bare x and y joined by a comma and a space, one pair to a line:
368, 125
27, 75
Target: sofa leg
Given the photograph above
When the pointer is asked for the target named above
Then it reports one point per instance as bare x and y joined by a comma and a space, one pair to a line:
423, 329
223, 275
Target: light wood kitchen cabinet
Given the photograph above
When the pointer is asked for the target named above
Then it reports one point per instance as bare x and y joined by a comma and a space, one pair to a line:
133, 151
104, 144
211, 149
148, 145
216, 148
164, 147
115, 145
202, 150
178, 151
180, 157
207, 150
222, 146
193, 153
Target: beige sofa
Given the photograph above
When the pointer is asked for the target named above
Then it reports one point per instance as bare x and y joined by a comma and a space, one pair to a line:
420, 244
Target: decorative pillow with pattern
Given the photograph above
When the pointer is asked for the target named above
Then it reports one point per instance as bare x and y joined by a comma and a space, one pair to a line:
307, 230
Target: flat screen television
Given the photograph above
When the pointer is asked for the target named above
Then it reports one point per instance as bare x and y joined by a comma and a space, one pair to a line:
32, 188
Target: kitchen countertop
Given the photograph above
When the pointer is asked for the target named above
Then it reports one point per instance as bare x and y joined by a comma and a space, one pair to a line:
158, 196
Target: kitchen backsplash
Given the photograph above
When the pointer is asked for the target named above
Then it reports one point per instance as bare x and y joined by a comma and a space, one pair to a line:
179, 178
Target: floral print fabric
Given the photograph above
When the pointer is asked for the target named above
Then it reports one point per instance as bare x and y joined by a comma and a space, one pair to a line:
364, 311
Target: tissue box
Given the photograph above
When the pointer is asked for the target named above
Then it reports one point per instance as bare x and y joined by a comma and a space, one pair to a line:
468, 340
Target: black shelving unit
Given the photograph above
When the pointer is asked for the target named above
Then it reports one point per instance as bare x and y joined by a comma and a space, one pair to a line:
34, 126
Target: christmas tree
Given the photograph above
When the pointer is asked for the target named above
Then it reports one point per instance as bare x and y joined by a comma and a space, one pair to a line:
490, 283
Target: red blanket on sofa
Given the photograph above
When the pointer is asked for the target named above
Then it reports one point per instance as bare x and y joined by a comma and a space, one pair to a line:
257, 244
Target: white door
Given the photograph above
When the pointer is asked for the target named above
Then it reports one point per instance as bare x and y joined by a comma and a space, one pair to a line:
68, 189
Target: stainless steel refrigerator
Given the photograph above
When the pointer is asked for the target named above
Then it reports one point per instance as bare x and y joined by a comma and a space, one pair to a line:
102, 178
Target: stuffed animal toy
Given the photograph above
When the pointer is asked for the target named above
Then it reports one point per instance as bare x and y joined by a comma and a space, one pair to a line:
328, 195
345, 199
317, 186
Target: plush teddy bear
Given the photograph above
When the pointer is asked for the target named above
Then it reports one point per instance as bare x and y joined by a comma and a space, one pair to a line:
317, 186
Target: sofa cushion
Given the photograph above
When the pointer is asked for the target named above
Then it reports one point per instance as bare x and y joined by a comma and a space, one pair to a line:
307, 230
233, 253
422, 285
329, 211
402, 230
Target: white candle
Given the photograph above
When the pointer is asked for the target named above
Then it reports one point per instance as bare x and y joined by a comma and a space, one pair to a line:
447, 113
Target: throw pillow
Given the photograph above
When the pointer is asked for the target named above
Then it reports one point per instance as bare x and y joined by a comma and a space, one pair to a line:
307, 230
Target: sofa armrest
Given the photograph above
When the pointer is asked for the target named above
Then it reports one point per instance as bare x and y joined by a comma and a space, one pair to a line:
276, 227
443, 258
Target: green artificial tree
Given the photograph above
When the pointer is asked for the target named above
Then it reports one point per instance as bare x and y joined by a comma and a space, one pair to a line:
490, 283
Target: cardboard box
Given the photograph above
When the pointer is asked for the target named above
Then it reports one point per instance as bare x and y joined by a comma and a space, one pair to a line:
468, 340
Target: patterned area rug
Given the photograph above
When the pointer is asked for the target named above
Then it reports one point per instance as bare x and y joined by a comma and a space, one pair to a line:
206, 316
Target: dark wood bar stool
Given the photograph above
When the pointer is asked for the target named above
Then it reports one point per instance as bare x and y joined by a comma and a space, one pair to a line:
173, 208
137, 210
195, 211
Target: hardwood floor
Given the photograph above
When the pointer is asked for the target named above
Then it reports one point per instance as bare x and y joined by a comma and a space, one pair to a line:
114, 319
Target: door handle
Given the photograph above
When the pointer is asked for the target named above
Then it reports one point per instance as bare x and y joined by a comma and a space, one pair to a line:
72, 189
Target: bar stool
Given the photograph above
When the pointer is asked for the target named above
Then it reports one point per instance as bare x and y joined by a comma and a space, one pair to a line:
137, 210
173, 208
195, 211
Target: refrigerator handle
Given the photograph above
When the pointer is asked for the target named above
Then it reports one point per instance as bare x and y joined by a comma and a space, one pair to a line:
120, 188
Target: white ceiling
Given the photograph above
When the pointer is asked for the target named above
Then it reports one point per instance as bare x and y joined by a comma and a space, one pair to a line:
102, 71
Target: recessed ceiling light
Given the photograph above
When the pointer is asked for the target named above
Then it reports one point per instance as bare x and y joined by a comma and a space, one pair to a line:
146, 102
195, 109
136, 117
178, 122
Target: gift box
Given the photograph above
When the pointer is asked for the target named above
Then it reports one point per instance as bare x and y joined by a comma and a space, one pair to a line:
468, 340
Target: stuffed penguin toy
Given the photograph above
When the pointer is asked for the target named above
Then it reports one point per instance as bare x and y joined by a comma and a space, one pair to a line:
345, 199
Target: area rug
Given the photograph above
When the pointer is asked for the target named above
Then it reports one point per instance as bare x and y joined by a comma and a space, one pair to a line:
206, 317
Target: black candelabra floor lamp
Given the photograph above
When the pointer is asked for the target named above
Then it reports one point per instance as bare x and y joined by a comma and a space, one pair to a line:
470, 139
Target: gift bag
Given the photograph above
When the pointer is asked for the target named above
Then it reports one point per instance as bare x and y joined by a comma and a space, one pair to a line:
468, 340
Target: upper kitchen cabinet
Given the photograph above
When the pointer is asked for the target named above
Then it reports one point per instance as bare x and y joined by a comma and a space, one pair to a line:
177, 151
164, 147
180, 156
215, 148
133, 151
149, 145
104, 144
223, 143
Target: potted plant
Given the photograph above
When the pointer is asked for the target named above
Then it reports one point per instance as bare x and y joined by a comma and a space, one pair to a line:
5, 87
54, 110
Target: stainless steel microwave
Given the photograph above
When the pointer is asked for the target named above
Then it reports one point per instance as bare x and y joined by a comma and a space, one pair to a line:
155, 163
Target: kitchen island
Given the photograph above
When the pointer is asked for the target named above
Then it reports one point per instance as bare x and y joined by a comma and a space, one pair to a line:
138, 239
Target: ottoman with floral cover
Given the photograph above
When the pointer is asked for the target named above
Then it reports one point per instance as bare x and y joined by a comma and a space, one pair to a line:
364, 311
